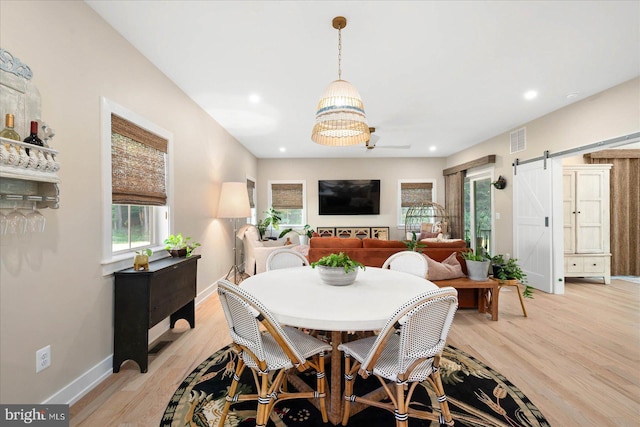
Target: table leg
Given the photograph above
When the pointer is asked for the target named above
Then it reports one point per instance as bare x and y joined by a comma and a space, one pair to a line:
335, 399
495, 294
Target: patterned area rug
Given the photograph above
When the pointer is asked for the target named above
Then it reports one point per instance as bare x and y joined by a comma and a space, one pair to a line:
478, 397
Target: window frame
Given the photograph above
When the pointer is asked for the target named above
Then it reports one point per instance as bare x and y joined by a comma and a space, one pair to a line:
400, 216
253, 219
304, 200
114, 261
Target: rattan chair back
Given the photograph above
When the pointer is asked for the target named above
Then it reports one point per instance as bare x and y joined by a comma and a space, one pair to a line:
285, 258
408, 261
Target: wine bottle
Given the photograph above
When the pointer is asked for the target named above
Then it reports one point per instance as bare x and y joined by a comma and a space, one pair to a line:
8, 131
33, 136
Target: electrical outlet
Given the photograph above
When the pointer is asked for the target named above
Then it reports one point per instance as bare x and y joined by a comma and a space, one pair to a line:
43, 358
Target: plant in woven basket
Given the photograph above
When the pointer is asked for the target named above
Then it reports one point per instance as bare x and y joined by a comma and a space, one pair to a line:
338, 260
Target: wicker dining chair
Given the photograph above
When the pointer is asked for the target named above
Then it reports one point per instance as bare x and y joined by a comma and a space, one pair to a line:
285, 258
408, 261
405, 359
270, 351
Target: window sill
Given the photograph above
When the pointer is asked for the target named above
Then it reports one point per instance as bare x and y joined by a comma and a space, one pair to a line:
125, 260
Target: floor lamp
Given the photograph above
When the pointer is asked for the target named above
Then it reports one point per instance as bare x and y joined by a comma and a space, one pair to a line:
234, 204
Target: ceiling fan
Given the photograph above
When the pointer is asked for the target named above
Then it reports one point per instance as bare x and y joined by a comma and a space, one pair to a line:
373, 140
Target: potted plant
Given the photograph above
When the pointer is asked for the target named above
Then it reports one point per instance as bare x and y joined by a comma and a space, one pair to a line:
271, 220
477, 265
414, 244
510, 270
306, 233
179, 246
141, 259
337, 269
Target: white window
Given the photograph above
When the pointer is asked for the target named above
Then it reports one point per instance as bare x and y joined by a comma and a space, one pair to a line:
289, 198
136, 183
412, 192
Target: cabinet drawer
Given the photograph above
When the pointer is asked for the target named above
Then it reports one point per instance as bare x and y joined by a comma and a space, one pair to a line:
573, 264
593, 264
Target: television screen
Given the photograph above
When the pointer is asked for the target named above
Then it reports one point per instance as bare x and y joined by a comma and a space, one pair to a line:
349, 197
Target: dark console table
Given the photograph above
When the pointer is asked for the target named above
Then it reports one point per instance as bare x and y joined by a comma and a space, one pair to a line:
144, 298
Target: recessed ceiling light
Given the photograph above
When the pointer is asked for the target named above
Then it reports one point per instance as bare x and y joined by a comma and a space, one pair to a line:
573, 95
254, 98
530, 94
282, 149
432, 148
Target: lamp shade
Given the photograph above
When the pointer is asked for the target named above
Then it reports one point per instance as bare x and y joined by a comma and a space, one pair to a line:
234, 200
340, 118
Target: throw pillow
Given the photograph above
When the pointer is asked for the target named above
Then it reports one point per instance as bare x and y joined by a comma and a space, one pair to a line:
428, 235
450, 268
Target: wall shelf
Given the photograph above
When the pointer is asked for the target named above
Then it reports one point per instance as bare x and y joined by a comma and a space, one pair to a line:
28, 173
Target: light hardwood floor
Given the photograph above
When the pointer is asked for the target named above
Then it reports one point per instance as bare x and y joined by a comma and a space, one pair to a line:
576, 356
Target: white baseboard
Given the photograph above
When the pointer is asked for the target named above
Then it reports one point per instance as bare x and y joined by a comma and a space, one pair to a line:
86, 382
82, 385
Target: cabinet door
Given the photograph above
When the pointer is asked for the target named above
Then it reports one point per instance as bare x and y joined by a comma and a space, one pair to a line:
569, 211
591, 202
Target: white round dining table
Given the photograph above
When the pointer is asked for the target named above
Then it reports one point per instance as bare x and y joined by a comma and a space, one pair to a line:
297, 297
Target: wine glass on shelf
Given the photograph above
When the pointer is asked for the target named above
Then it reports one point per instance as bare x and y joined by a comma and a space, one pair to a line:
16, 221
35, 220
3, 224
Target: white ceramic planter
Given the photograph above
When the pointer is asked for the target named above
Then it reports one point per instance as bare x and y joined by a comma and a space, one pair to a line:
335, 276
478, 270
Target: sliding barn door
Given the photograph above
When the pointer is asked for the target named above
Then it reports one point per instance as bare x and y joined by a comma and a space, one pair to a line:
532, 223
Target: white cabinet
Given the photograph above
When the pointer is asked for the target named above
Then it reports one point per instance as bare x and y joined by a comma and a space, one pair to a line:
586, 221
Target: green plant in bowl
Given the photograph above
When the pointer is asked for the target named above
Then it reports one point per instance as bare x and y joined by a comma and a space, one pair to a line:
338, 260
177, 244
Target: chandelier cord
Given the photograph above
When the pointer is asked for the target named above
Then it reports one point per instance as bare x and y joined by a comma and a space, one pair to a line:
339, 53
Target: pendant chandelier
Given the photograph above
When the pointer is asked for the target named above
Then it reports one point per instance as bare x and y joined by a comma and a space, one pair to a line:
340, 118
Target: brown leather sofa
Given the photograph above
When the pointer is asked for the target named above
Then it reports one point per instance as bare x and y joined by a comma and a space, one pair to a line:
374, 252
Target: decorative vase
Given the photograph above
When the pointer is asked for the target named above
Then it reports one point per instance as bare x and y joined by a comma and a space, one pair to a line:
335, 276
478, 270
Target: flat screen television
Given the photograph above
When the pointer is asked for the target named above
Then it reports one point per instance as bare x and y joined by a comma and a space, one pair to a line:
349, 197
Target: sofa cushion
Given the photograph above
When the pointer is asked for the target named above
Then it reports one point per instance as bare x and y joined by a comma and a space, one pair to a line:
335, 242
377, 243
450, 268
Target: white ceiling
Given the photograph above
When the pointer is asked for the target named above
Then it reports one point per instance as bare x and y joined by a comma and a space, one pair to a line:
431, 73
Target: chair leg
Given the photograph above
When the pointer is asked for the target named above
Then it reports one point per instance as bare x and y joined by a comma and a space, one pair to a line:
263, 400
348, 389
401, 412
232, 391
320, 387
442, 397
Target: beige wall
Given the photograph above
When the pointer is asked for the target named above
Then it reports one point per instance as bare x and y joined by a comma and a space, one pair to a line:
389, 171
52, 291
609, 114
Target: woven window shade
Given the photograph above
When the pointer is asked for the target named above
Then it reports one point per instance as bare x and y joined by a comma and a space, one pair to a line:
413, 193
251, 187
286, 196
138, 165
